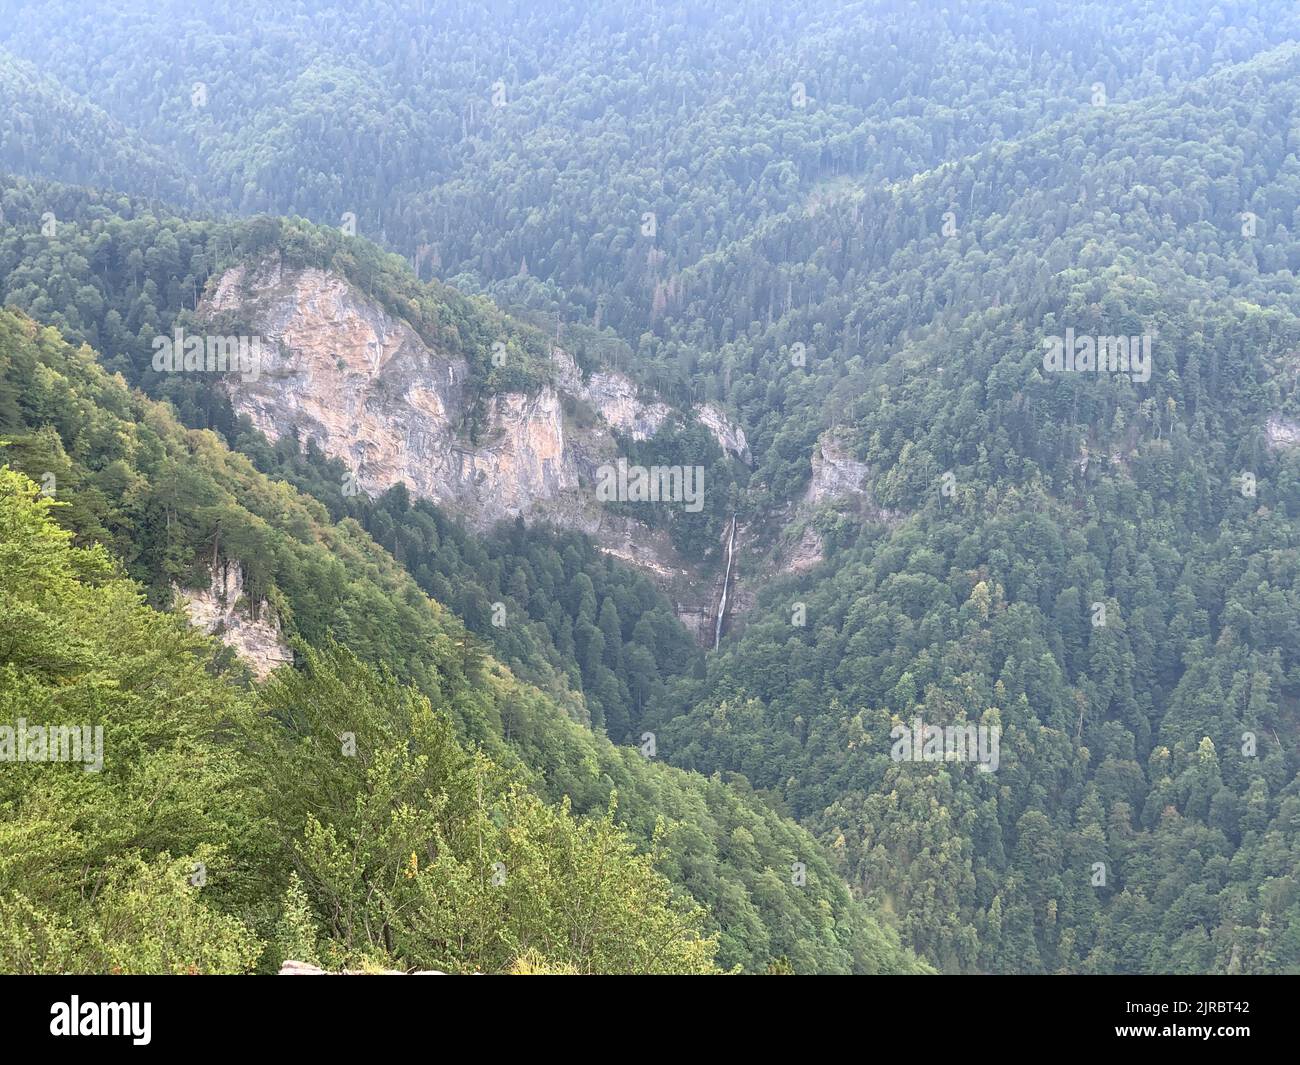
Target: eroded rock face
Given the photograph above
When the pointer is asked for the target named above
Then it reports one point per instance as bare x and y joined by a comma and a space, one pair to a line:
613, 396
302, 968
224, 610
340, 369
806, 552
1282, 432
839, 481
839, 478
344, 372
836, 474
730, 437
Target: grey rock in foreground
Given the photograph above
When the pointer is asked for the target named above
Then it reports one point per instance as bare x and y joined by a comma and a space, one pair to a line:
302, 968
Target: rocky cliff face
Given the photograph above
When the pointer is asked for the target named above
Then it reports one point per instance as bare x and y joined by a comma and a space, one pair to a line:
1281, 432
340, 369
839, 481
223, 610
302, 968
836, 474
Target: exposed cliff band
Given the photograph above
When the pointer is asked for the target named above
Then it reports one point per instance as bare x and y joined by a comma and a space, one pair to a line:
359, 381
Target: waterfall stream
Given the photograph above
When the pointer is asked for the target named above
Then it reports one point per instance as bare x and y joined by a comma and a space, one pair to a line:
726, 584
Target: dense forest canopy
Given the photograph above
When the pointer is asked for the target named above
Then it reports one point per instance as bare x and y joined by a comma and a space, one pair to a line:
146, 496
869, 222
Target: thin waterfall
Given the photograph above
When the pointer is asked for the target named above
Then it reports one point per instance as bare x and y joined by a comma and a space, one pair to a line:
726, 584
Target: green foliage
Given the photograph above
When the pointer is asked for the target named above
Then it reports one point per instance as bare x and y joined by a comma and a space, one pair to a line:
420, 855
560, 613
97, 866
882, 258
190, 500
88, 879
697, 534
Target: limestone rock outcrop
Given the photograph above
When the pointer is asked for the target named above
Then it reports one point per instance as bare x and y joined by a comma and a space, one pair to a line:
340, 369
302, 968
836, 474
224, 610
839, 481
1282, 432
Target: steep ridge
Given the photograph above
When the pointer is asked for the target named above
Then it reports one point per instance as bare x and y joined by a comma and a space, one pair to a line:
163, 496
1015, 503
340, 371
197, 826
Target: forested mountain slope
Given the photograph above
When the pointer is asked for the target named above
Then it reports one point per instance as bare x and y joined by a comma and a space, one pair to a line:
48, 129
110, 276
204, 828
1160, 193
858, 230
167, 500
519, 147
1104, 566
